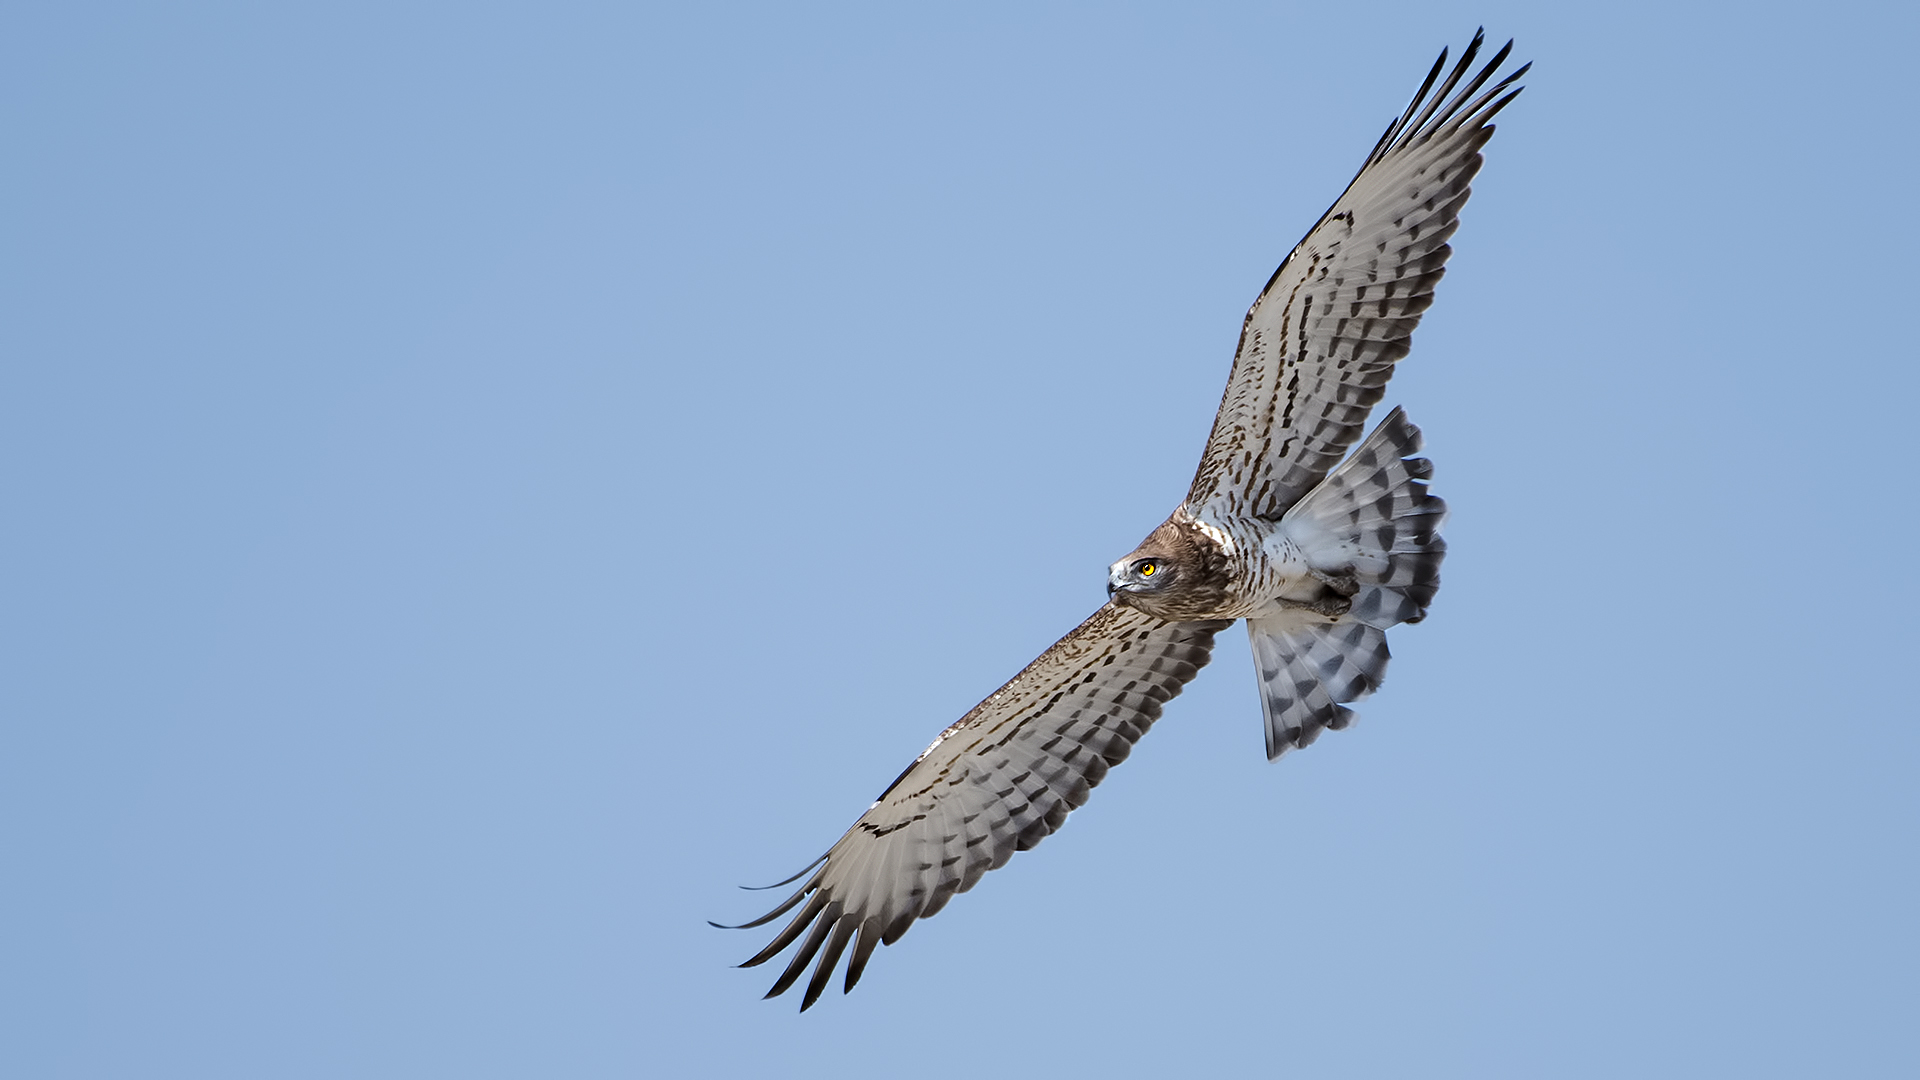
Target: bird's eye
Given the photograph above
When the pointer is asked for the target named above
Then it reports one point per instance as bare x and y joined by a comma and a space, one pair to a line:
1147, 568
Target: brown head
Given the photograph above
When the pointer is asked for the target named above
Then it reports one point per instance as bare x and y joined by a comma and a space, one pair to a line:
1177, 572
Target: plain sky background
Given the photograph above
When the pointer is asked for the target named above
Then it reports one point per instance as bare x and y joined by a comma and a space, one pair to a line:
481, 481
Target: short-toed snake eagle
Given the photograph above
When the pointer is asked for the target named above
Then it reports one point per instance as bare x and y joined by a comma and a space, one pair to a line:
1320, 561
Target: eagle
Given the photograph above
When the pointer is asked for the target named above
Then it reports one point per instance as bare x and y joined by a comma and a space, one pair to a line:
1320, 557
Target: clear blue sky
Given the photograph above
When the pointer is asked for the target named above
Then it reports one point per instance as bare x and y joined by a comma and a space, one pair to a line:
481, 481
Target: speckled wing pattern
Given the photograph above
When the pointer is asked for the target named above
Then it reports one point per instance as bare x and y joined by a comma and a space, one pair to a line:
999, 781
1319, 344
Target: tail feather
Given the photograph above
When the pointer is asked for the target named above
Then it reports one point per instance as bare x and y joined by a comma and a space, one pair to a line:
1307, 667
1372, 518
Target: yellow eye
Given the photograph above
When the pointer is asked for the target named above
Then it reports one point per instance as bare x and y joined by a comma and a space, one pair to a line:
1147, 569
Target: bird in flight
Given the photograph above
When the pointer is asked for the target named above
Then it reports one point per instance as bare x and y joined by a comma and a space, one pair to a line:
1319, 560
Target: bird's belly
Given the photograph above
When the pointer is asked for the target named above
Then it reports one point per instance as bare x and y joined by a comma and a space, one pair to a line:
1285, 574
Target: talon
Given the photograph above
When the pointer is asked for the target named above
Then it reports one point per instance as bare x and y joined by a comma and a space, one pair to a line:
1343, 583
1333, 606
1330, 606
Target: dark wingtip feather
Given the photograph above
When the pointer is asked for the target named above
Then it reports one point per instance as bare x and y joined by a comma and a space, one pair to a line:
829, 959
1502, 103
785, 906
862, 949
1473, 86
1436, 104
792, 931
788, 881
805, 953
1399, 123
1440, 95
1479, 113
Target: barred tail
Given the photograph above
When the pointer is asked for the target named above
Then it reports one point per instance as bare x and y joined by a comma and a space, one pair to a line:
1371, 518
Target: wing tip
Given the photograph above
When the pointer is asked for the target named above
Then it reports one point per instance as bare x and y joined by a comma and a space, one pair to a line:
1433, 110
840, 919
786, 881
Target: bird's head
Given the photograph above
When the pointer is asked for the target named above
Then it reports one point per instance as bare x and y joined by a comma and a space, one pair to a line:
1143, 573
1177, 572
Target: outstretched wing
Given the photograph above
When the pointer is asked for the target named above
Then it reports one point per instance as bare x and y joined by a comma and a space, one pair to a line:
999, 781
1319, 344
